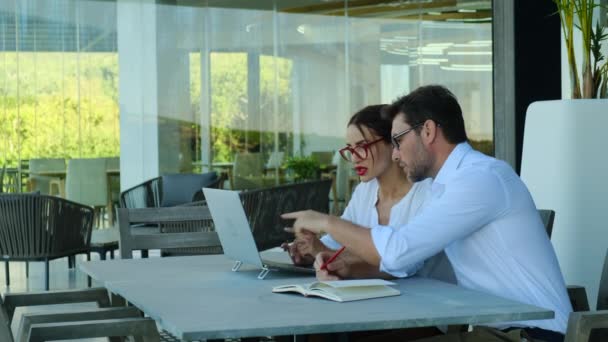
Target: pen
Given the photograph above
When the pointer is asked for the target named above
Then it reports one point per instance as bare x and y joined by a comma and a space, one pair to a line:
332, 258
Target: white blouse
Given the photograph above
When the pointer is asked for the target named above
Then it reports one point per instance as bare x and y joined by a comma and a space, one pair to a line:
362, 210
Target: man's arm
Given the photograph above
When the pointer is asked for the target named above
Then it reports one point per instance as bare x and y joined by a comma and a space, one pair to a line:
467, 204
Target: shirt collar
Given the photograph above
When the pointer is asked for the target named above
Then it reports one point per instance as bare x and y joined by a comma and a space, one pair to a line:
452, 163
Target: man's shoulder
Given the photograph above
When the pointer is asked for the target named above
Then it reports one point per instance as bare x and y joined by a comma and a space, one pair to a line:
476, 162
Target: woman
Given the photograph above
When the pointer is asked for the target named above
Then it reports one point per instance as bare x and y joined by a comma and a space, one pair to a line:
385, 196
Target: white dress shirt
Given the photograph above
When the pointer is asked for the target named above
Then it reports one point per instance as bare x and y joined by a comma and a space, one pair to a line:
482, 214
361, 209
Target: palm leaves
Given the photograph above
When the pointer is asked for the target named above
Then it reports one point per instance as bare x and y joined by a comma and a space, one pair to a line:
595, 76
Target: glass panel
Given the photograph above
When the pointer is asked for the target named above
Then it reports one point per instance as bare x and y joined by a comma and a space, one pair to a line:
186, 88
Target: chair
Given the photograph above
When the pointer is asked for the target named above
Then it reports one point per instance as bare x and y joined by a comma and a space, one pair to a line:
547, 216
582, 321
178, 189
263, 208
193, 225
46, 174
113, 175
42, 228
105, 321
144, 195
87, 183
248, 170
2, 178
168, 190
342, 188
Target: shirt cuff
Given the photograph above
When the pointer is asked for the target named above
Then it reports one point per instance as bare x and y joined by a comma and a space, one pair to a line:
380, 238
329, 242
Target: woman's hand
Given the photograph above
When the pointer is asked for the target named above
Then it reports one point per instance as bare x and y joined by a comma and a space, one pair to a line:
336, 270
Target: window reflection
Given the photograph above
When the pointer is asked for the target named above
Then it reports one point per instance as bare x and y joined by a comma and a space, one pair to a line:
179, 88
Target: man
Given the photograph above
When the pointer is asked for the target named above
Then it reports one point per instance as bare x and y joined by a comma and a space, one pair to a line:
479, 212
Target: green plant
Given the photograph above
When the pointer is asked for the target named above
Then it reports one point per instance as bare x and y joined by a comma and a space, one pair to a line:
595, 76
302, 167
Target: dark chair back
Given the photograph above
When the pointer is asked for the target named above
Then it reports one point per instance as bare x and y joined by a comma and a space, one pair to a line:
264, 207
192, 224
144, 195
2, 172
602, 295
180, 188
38, 227
547, 216
35, 227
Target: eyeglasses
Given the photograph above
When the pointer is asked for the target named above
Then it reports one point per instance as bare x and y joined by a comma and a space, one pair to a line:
360, 151
395, 138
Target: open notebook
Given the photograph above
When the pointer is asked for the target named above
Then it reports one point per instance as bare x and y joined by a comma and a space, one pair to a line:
236, 237
343, 290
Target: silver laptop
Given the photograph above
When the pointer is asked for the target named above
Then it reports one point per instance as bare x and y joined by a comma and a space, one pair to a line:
235, 235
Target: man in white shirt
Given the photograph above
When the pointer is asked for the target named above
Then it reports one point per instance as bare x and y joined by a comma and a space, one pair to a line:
480, 213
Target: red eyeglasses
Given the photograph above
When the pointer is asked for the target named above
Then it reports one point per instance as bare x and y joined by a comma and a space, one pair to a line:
361, 151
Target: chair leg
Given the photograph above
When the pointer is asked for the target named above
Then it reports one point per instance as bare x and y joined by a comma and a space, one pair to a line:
71, 261
27, 269
144, 253
88, 276
46, 274
112, 254
6, 273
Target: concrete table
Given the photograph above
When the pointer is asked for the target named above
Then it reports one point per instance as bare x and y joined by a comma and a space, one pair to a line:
200, 298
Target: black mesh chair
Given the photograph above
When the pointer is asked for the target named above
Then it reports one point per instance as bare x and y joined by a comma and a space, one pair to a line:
168, 190
144, 195
547, 216
586, 325
42, 228
263, 208
2, 172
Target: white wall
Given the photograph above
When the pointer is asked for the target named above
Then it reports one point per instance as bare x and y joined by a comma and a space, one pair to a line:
564, 164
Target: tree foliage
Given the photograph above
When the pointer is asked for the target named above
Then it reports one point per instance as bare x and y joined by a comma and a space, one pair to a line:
58, 105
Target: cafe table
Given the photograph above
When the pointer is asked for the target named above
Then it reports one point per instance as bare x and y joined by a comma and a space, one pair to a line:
199, 297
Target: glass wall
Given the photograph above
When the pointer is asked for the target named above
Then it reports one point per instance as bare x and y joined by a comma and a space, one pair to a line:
199, 85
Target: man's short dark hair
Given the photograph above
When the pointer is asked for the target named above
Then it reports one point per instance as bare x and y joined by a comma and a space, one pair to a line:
431, 102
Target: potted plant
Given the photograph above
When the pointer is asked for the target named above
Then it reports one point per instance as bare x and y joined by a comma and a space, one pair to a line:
579, 14
302, 168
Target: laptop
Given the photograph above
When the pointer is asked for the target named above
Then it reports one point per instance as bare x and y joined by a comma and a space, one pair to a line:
235, 235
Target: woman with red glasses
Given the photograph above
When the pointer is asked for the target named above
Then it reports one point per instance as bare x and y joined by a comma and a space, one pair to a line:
385, 195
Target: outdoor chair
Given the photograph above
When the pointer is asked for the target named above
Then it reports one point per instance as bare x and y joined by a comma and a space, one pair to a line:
113, 175
105, 321
168, 190
193, 225
248, 171
87, 183
144, 195
2, 172
178, 189
263, 208
589, 325
547, 216
42, 228
46, 175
